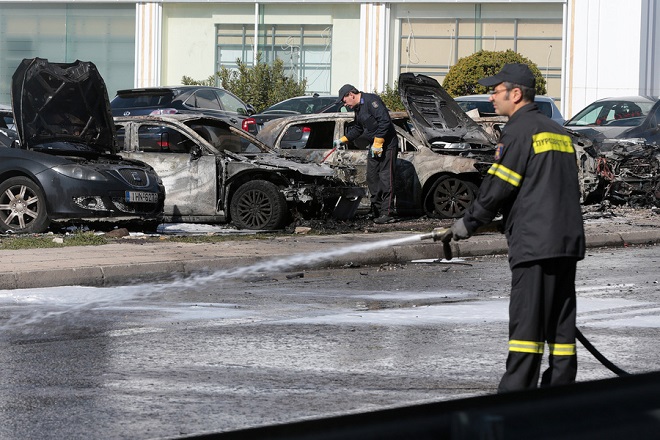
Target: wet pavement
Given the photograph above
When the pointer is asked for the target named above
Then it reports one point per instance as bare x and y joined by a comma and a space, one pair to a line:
138, 259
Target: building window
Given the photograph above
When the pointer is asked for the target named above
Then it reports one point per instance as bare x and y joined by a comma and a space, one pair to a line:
432, 46
304, 49
103, 33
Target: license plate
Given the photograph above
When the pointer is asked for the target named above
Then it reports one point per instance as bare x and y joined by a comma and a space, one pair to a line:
141, 197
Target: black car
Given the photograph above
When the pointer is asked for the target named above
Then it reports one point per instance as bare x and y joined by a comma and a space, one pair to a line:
66, 165
168, 100
300, 105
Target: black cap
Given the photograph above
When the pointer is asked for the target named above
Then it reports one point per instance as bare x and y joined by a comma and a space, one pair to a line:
344, 91
516, 73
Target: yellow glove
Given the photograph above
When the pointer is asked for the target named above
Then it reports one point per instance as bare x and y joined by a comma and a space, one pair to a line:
377, 147
338, 142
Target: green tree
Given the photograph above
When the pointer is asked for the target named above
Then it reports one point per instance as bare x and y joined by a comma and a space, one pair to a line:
261, 85
391, 98
463, 76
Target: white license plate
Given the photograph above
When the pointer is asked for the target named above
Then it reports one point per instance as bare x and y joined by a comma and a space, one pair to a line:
141, 197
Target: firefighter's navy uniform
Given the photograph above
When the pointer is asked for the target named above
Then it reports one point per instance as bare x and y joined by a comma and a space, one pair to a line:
373, 122
534, 183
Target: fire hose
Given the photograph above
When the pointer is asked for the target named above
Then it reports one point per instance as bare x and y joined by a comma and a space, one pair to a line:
440, 234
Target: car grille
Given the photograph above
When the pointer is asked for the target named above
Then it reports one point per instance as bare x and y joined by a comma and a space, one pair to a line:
137, 208
135, 177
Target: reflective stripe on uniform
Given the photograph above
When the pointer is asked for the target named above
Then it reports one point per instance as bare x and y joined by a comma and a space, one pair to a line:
562, 349
505, 174
544, 142
526, 346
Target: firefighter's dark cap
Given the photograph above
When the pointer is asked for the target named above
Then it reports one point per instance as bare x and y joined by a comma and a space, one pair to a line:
345, 89
515, 73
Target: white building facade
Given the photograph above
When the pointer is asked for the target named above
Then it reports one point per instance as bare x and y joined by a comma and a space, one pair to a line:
586, 49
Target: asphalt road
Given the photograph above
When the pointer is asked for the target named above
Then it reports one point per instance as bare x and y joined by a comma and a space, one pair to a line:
218, 353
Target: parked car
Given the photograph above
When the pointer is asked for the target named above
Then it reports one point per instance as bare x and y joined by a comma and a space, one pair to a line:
483, 105
166, 100
609, 118
647, 132
300, 105
66, 166
214, 172
442, 158
8, 135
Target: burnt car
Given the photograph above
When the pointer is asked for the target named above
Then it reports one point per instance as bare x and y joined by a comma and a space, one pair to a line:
443, 154
214, 172
66, 165
299, 105
628, 173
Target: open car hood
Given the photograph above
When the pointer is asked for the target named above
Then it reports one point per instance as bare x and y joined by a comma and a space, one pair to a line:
435, 114
62, 102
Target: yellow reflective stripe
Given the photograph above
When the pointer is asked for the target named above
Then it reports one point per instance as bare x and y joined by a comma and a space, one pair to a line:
562, 349
505, 174
544, 142
526, 346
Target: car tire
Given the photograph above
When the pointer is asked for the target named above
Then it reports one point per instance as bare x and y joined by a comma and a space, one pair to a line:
258, 204
450, 197
22, 207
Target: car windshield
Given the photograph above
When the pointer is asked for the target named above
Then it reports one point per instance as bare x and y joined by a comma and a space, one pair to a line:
615, 112
302, 105
61, 147
142, 100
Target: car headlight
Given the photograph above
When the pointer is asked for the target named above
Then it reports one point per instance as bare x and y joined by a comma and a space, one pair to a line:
79, 172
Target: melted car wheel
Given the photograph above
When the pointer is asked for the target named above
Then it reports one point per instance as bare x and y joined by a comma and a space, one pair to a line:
258, 205
450, 197
22, 206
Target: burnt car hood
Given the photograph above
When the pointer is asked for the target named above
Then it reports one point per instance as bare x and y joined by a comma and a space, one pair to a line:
435, 114
62, 102
307, 168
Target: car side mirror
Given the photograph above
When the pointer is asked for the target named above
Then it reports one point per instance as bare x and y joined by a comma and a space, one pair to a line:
251, 110
195, 152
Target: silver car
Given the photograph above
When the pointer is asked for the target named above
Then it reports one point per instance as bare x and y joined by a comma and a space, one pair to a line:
214, 172
442, 155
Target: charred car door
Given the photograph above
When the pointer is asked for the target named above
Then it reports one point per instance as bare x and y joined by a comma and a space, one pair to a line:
188, 169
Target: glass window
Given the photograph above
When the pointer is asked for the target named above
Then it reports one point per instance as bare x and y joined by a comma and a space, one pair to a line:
104, 34
204, 99
231, 103
162, 139
304, 49
432, 45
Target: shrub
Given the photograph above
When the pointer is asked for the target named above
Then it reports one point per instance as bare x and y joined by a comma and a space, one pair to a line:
391, 98
463, 76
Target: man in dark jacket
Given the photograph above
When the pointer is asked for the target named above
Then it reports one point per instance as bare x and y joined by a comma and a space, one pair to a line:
534, 184
373, 123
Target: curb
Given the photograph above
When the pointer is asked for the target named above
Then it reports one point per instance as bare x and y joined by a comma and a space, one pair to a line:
183, 265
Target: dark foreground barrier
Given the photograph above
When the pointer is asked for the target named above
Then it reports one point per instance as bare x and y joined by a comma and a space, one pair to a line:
625, 408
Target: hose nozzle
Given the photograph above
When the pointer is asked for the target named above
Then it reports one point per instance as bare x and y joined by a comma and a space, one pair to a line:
439, 234
435, 234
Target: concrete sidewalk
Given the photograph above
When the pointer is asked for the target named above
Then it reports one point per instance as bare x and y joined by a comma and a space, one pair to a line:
135, 260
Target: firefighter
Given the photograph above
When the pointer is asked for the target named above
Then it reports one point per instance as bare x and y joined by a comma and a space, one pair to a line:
534, 184
373, 123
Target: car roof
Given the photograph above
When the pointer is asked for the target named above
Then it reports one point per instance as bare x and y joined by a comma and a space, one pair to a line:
486, 97
183, 118
635, 98
164, 89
